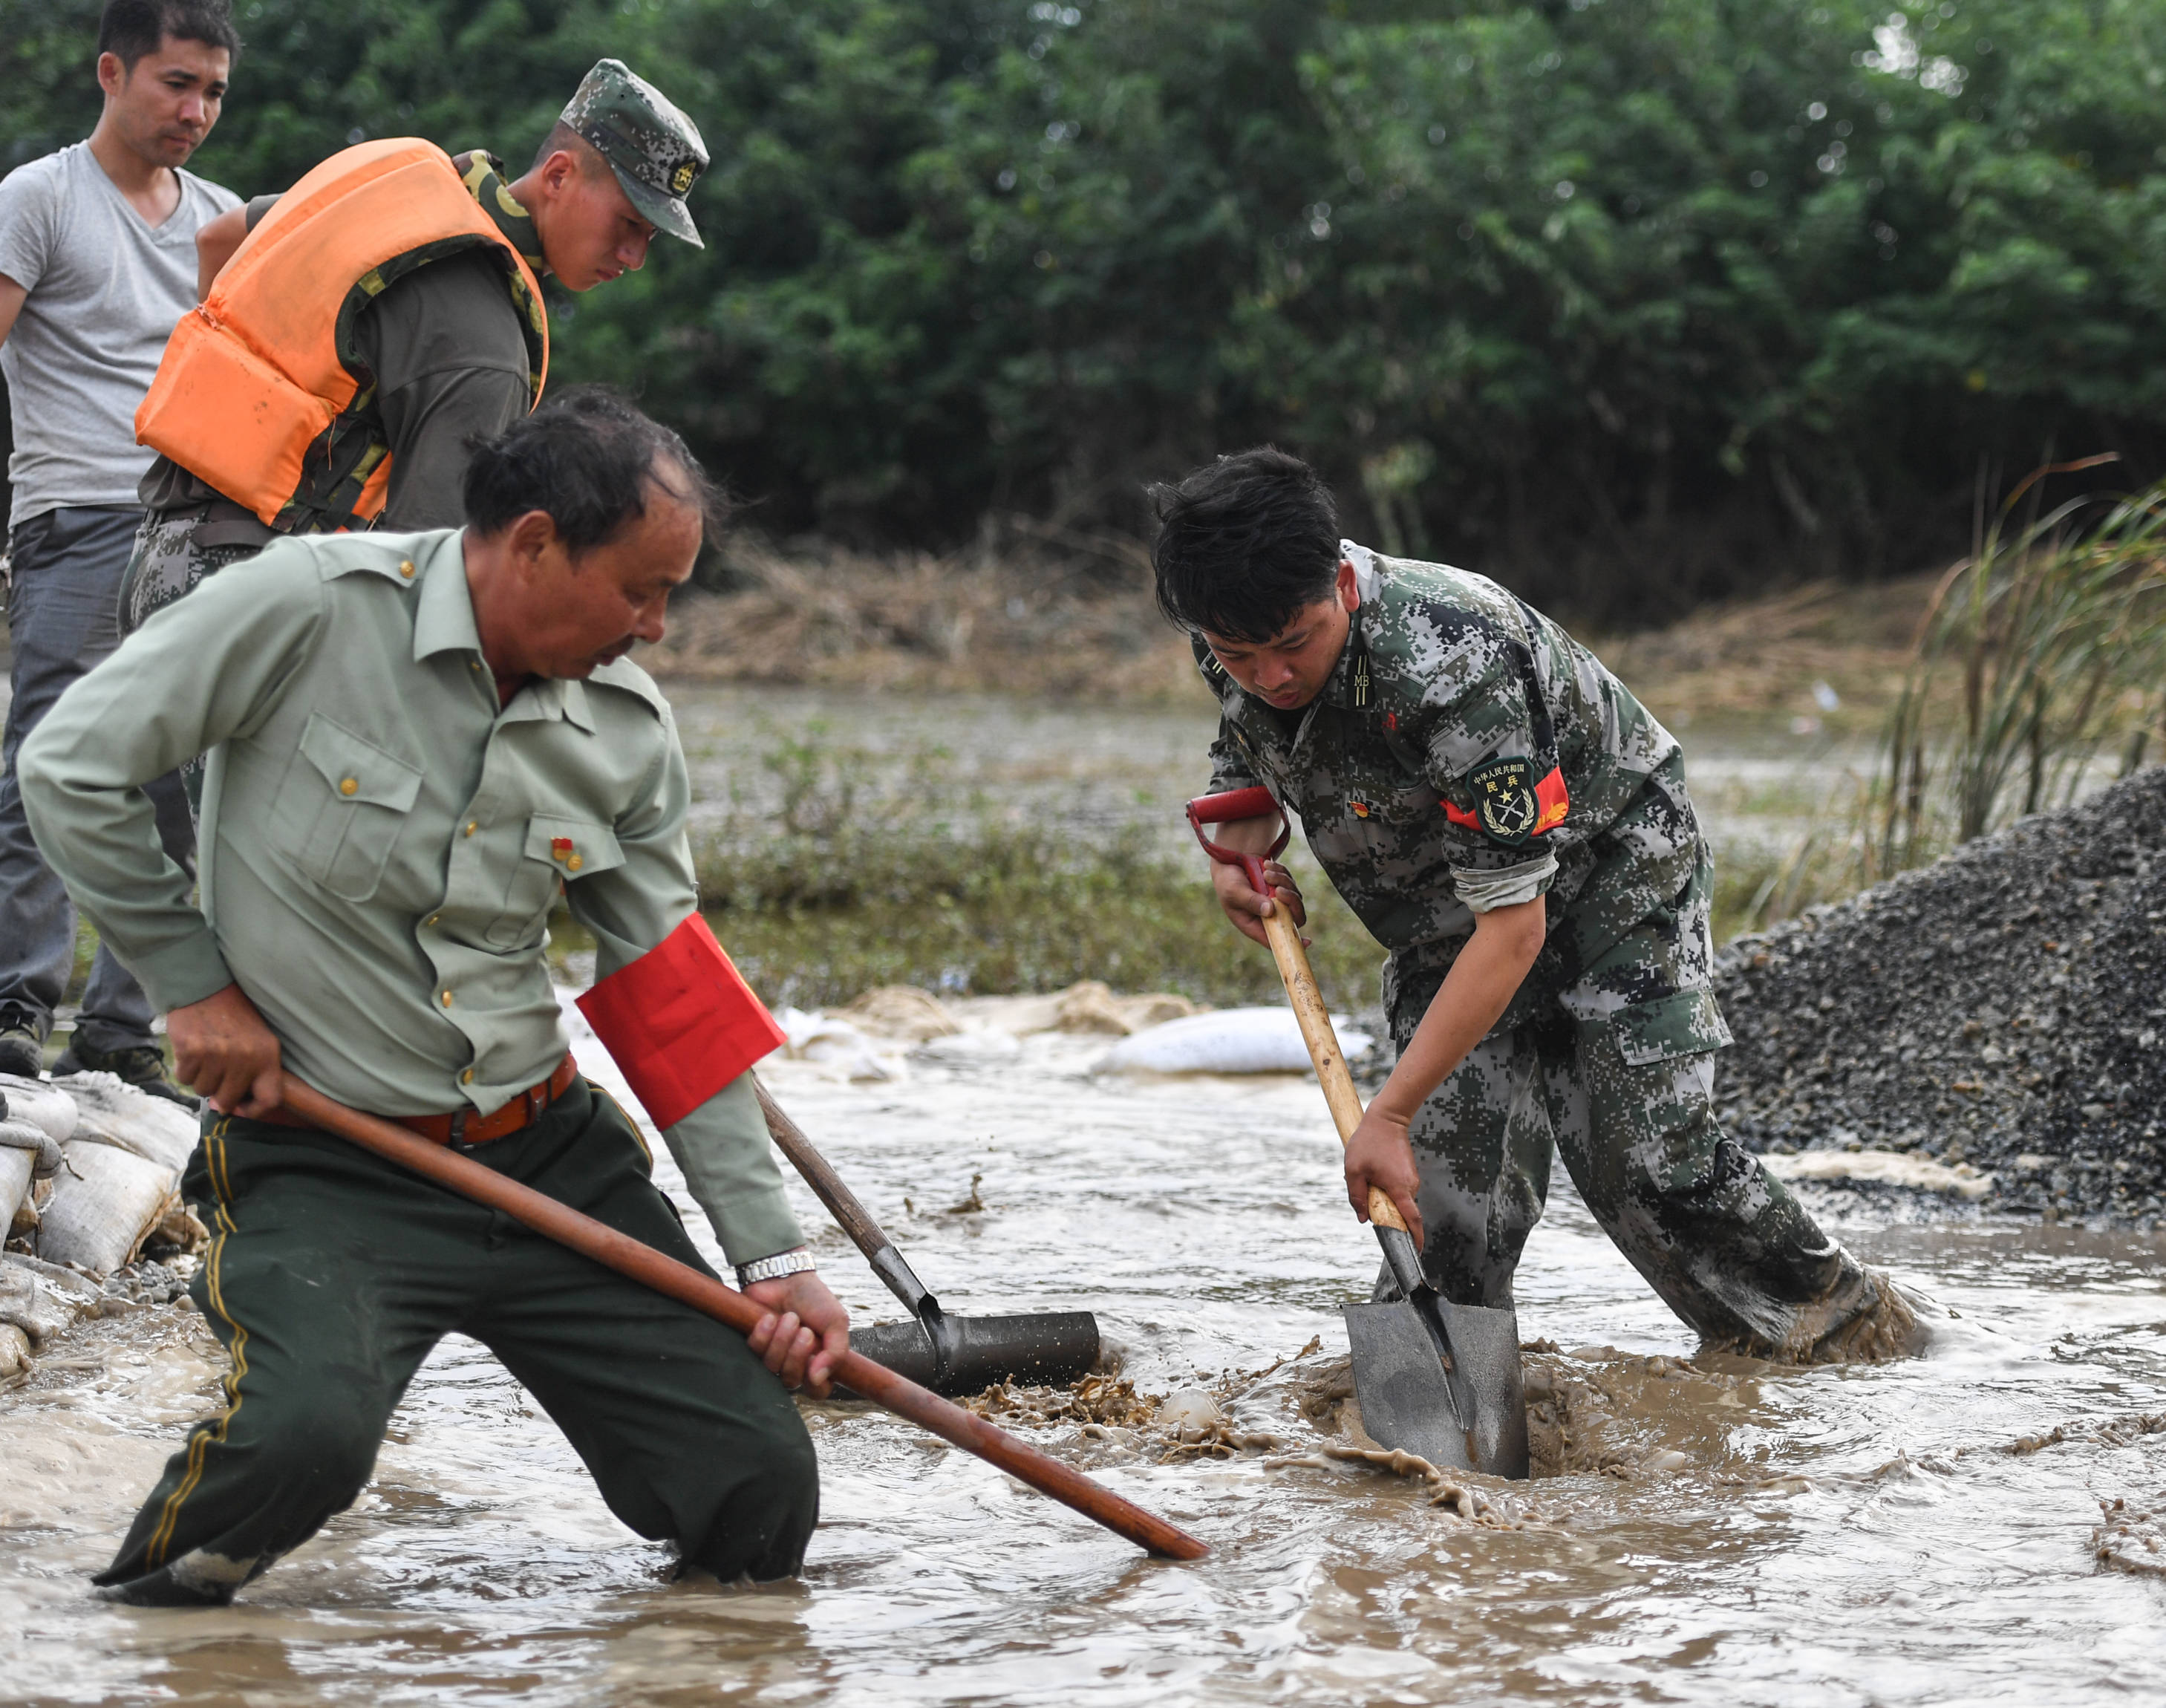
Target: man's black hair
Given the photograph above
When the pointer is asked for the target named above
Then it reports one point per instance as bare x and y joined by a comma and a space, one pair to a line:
130, 28
1245, 544
590, 459
567, 138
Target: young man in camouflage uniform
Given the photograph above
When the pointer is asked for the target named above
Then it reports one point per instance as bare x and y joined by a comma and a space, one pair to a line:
1513, 826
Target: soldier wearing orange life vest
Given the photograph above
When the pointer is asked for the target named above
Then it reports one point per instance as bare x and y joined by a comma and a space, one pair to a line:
359, 332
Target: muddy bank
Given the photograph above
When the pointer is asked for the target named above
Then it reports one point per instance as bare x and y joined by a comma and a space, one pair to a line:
2000, 1011
1073, 619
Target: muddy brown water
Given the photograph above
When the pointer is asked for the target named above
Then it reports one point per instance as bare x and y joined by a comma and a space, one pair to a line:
1925, 1532
1883, 1536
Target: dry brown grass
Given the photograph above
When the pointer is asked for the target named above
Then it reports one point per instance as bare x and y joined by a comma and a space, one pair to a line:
1030, 618
1765, 654
1010, 621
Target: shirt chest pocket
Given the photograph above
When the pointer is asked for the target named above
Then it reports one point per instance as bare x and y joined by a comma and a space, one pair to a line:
558, 850
341, 807
1379, 817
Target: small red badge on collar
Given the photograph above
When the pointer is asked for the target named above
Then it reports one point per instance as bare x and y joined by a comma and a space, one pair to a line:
560, 848
1391, 720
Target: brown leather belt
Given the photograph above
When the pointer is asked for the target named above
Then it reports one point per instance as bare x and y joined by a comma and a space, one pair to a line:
463, 1126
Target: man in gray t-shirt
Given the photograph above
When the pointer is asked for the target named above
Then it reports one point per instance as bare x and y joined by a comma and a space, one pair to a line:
97, 261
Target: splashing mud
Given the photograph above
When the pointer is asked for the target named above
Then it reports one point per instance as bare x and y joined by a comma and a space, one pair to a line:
1702, 1529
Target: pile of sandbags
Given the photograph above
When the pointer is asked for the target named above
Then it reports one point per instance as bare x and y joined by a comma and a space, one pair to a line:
90, 1169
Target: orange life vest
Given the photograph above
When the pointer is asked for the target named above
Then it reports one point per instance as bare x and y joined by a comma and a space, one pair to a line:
259, 393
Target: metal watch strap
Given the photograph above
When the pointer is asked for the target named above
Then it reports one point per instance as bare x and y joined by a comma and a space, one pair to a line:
797, 1261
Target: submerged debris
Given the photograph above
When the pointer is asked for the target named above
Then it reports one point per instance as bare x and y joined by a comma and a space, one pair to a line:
2130, 1540
1461, 1499
2002, 1009
1096, 1399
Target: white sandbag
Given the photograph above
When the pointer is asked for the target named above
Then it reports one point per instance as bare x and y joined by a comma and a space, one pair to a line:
44, 1105
111, 1112
833, 1042
106, 1200
16, 1164
27, 1153
1232, 1040
14, 1356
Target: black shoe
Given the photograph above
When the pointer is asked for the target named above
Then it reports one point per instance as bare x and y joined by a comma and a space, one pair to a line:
140, 1065
22, 1051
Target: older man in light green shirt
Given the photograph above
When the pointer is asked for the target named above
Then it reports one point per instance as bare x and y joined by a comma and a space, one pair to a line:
406, 770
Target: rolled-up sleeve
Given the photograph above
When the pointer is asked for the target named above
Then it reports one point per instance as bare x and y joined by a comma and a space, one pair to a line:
204, 669
723, 1146
1484, 891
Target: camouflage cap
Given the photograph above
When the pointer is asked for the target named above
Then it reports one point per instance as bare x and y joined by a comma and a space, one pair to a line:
654, 150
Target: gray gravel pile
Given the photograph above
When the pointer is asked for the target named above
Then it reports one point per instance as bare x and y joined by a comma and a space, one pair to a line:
2004, 1008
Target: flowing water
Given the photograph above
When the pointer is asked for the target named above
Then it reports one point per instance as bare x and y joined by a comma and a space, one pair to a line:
1883, 1535
1929, 1532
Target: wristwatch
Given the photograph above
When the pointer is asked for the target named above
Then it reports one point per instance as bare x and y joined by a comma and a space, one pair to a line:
797, 1261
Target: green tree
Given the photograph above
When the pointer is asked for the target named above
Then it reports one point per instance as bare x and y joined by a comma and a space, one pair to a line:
1633, 300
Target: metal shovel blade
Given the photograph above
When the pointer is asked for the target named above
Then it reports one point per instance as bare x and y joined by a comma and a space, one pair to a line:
1473, 1418
1046, 1348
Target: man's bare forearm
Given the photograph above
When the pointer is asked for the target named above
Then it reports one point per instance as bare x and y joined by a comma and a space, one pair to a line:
1477, 990
216, 239
13, 296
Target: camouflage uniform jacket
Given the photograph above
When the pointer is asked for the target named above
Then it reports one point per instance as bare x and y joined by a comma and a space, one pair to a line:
1466, 754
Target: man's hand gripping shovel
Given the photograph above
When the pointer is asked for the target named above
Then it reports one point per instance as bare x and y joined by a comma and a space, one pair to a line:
1434, 1378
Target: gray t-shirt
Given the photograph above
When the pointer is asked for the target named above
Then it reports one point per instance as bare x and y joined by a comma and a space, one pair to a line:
105, 288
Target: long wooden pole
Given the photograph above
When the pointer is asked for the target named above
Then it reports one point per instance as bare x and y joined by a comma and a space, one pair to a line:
628, 1256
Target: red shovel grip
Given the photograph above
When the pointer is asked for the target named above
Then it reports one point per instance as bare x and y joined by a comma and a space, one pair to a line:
1235, 804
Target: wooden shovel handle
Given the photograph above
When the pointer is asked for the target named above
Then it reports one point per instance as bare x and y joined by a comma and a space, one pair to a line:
855, 1219
1322, 1042
628, 1256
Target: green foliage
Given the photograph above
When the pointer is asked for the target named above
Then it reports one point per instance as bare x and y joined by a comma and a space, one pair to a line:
1623, 295
846, 879
1013, 909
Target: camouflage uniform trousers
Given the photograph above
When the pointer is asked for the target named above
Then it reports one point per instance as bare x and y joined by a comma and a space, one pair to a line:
168, 564
1629, 1108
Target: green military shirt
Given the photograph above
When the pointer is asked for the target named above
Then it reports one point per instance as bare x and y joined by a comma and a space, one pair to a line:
381, 843
1467, 755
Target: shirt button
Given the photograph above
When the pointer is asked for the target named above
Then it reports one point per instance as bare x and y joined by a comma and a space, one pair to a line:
447, 999
466, 1078
472, 825
406, 568
347, 786
573, 864
431, 920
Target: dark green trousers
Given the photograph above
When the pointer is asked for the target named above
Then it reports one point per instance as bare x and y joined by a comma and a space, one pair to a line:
331, 1273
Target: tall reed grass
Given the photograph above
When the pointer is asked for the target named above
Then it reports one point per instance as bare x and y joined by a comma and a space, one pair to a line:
2039, 670
2040, 651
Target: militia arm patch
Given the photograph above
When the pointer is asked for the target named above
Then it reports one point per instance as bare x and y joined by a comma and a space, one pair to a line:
1510, 805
